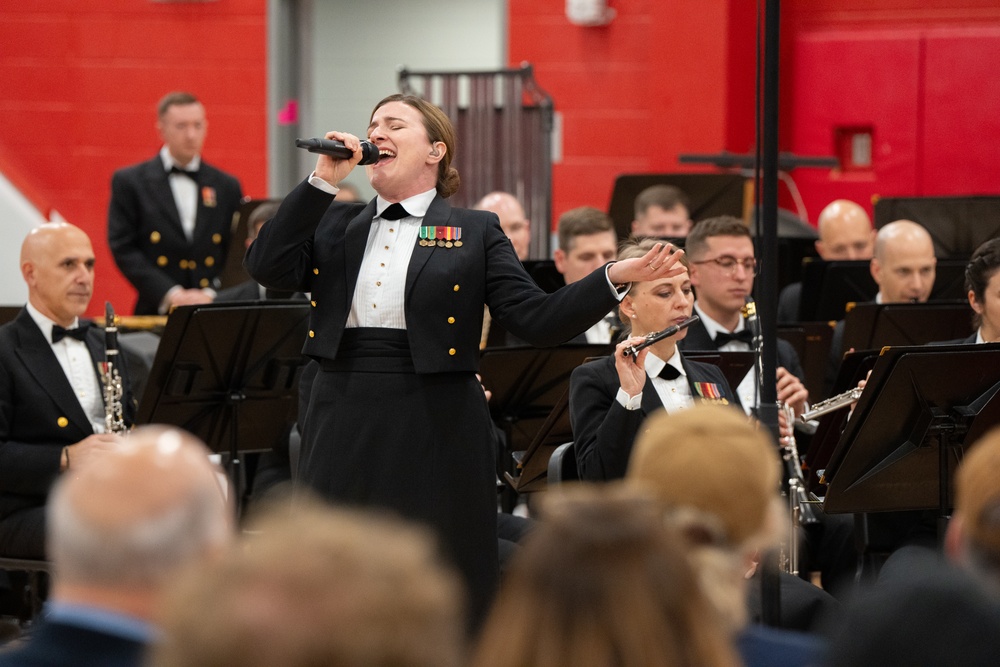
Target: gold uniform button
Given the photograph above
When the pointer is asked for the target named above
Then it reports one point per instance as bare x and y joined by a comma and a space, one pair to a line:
203, 282
192, 264
209, 261
378, 283
312, 334
216, 239
162, 260
451, 351
183, 263
154, 237
312, 303
62, 422
451, 320
316, 271
455, 288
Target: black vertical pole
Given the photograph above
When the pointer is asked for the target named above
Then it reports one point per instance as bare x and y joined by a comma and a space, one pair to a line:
767, 282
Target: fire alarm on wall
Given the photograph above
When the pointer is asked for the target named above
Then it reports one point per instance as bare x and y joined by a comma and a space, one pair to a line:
589, 12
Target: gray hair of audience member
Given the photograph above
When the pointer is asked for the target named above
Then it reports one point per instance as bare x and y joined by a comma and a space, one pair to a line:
664, 196
582, 221
602, 581
724, 225
315, 585
985, 262
137, 515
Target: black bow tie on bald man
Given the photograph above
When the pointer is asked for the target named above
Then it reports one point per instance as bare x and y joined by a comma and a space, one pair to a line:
723, 337
58, 333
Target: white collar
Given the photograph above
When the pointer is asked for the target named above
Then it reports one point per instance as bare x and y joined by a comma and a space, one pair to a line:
169, 161
45, 324
416, 206
654, 364
713, 327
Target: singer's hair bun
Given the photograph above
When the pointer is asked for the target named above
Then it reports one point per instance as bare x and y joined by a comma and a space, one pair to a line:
448, 185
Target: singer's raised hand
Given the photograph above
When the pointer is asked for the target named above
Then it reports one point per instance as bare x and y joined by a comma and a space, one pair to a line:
332, 170
662, 261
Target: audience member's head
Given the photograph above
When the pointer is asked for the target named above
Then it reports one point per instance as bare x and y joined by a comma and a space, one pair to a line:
691, 461
845, 232
974, 531
317, 586
982, 282
721, 256
903, 265
513, 221
259, 216
940, 618
348, 192
57, 263
662, 210
120, 529
180, 120
587, 241
602, 581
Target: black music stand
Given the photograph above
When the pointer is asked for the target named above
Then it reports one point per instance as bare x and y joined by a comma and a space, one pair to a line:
827, 288
958, 225
228, 373
875, 325
811, 341
533, 462
922, 407
527, 383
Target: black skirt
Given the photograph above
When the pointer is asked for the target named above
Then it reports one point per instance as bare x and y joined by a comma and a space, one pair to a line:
377, 434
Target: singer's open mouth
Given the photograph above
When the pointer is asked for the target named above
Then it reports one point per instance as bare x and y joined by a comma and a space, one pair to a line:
385, 155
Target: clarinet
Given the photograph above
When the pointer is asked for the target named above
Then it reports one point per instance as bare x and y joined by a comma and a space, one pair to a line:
111, 379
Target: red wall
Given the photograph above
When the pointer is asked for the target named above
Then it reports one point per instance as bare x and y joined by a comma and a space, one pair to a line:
80, 87
677, 77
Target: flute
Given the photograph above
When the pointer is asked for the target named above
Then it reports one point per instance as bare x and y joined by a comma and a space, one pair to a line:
657, 336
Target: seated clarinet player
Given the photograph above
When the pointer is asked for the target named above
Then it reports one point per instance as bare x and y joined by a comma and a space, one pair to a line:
610, 397
52, 409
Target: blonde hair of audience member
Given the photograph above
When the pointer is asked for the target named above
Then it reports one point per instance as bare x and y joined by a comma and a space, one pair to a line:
973, 538
316, 585
982, 282
845, 232
513, 221
716, 476
602, 581
904, 264
118, 529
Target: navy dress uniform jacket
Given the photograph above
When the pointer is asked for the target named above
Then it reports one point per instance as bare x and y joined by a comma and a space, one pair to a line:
603, 430
39, 415
146, 237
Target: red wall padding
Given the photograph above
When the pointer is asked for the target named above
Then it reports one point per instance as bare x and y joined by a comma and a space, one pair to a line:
80, 87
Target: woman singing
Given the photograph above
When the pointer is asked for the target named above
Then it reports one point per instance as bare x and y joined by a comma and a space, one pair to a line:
610, 397
397, 417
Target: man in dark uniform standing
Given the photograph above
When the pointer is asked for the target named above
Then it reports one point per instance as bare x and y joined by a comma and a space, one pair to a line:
170, 217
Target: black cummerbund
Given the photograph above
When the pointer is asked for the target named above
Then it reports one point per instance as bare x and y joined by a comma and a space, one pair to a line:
372, 350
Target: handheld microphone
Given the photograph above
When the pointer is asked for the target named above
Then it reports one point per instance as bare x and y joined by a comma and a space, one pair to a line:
337, 149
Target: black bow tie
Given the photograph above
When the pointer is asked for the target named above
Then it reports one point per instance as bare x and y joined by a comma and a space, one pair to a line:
723, 337
58, 333
394, 212
192, 174
668, 372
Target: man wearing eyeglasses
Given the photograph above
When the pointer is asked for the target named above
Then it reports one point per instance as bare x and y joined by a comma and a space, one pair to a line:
721, 254
722, 265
